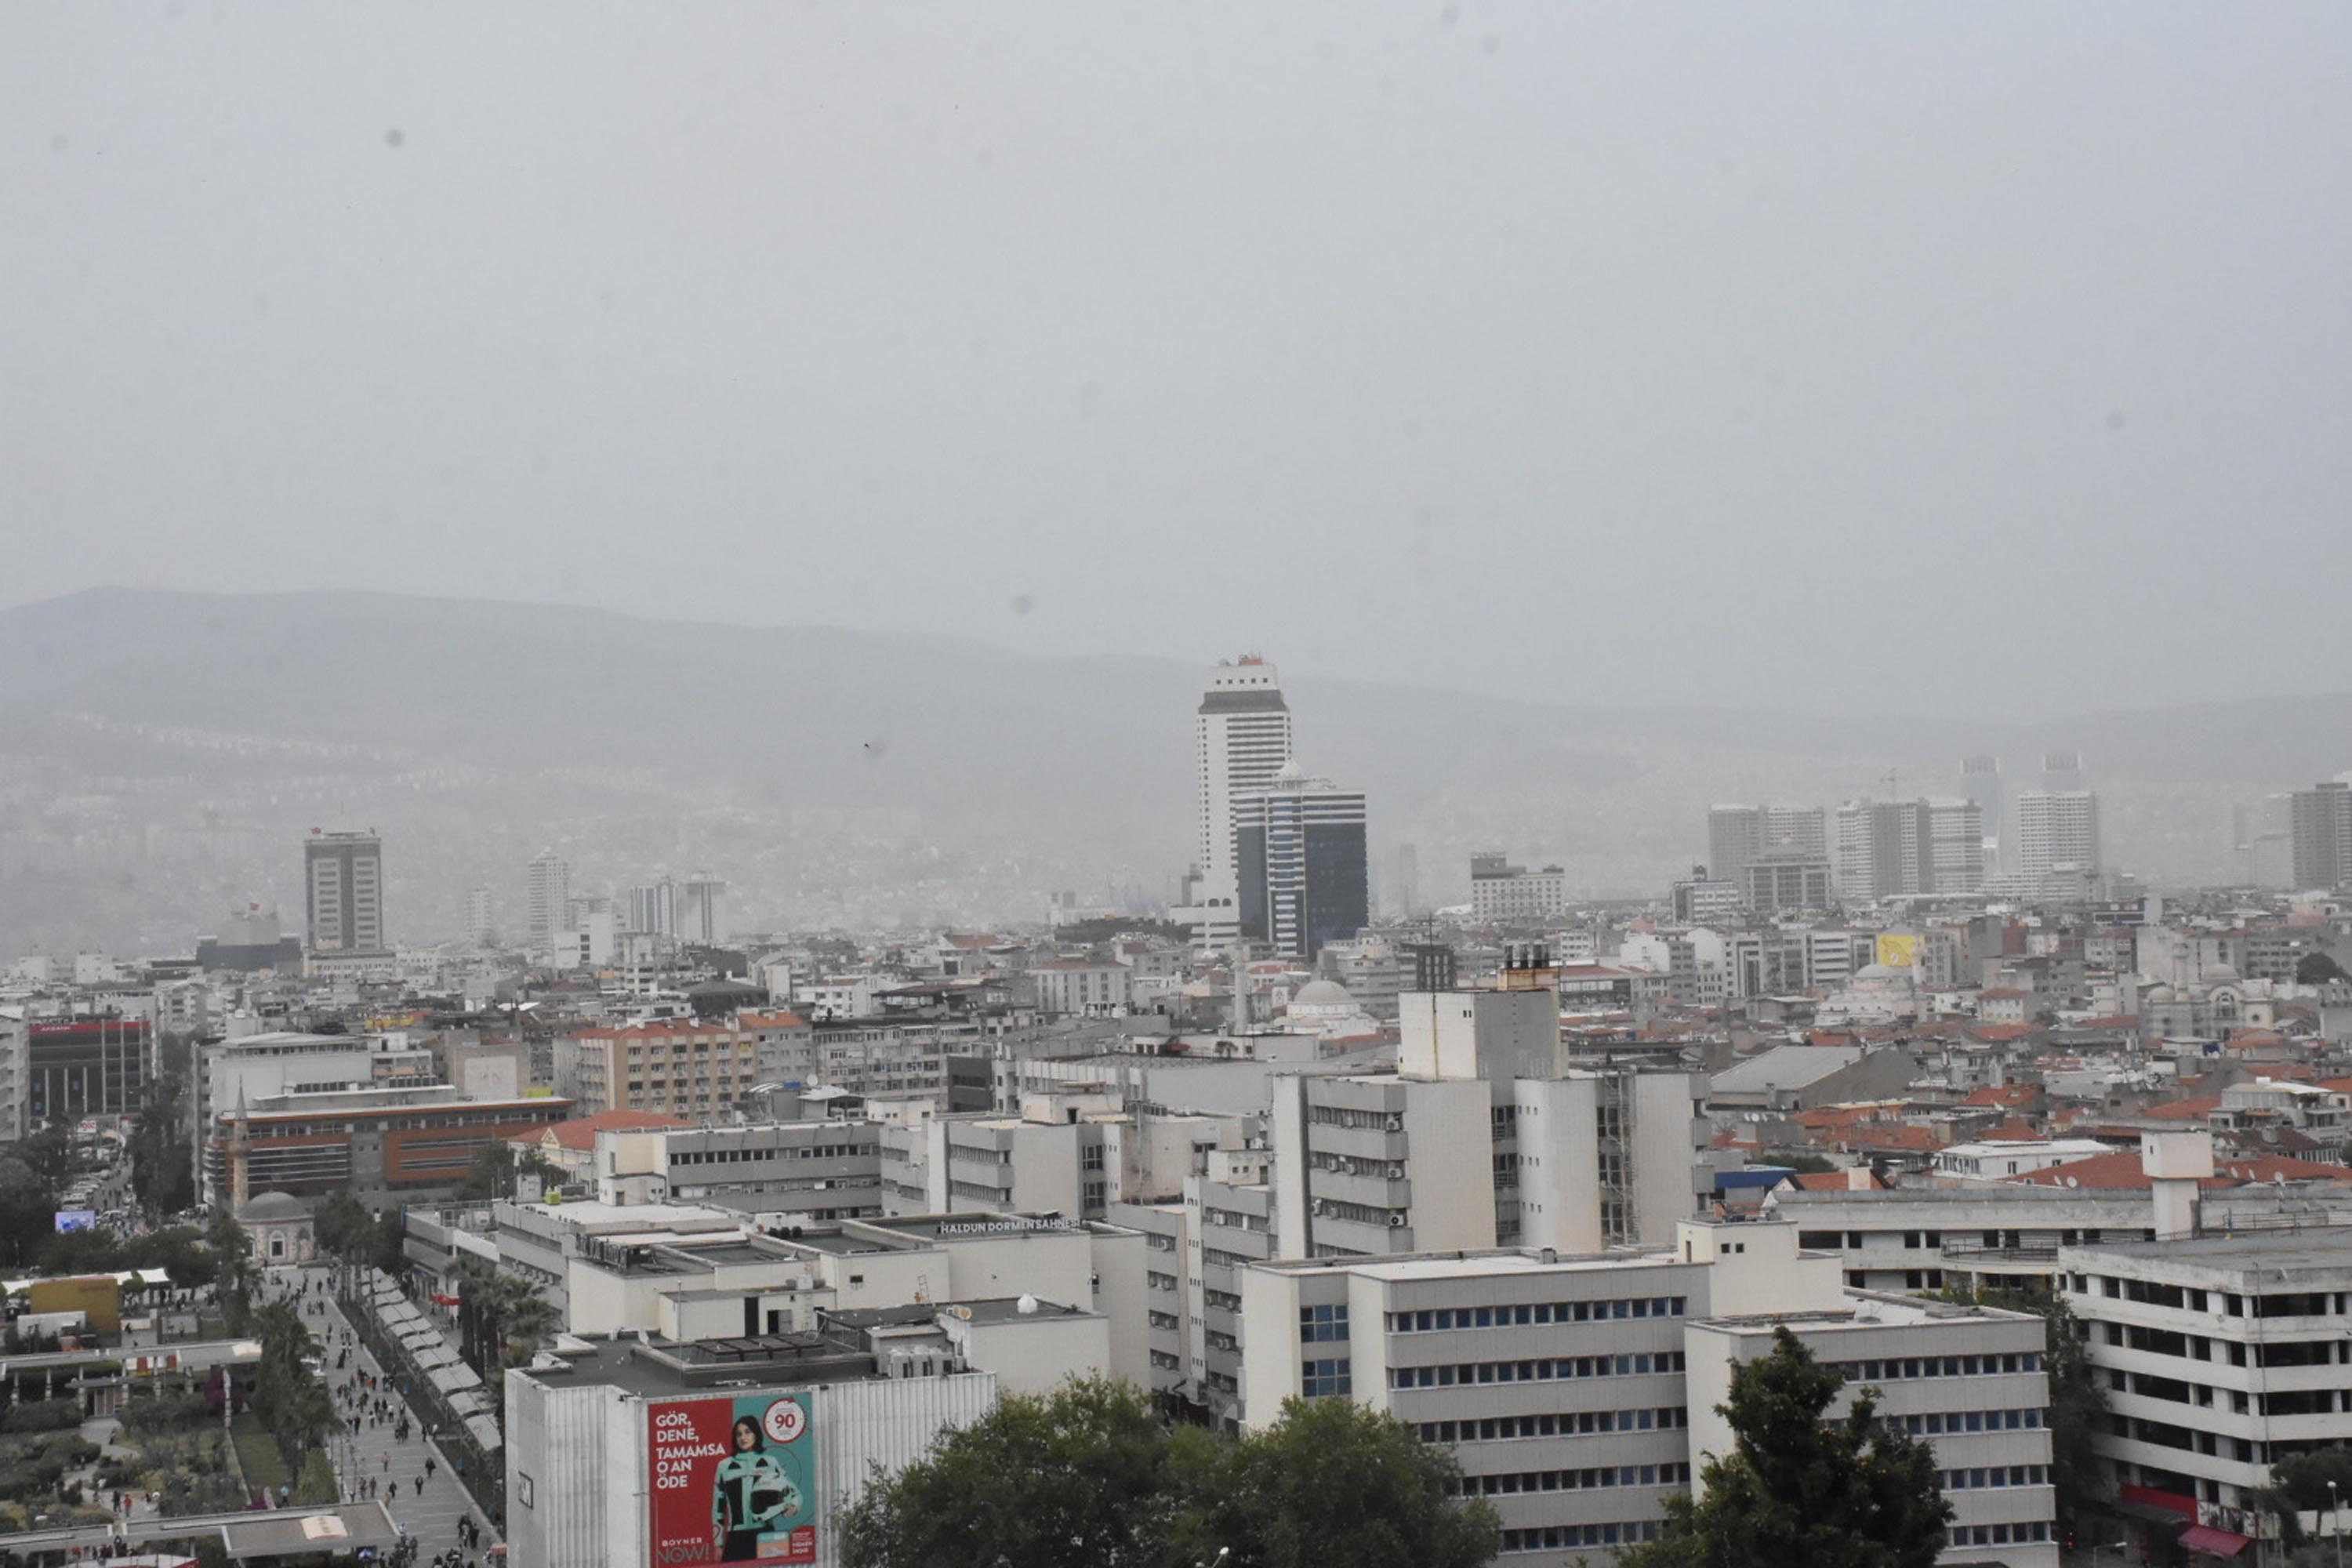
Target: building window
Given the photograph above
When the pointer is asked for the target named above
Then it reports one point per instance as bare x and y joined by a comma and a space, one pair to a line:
1320, 1379
1322, 1324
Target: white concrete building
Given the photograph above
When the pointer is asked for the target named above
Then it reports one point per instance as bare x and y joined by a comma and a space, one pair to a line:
2056, 830
2221, 1354
1243, 736
1502, 891
612, 1448
547, 898
1578, 1392
2000, 1161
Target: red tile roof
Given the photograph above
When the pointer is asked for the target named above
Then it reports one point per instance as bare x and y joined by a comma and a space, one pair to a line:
770, 1021
2124, 1171
1830, 1180
2195, 1109
581, 1132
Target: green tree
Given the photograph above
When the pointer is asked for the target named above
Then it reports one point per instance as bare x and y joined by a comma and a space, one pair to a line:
1332, 1481
1804, 1164
1798, 1490
2298, 1484
2319, 969
2078, 1406
1090, 1477
31, 1176
290, 1396
495, 1170
1077, 1479
233, 1266
162, 1149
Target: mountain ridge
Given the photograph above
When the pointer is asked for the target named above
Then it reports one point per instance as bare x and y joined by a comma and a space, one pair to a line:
844, 776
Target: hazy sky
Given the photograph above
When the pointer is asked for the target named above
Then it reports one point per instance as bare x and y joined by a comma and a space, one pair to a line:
1969, 357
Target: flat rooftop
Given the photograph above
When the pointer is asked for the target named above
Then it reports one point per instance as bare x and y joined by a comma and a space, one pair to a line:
1477, 1263
658, 1368
989, 1309
1867, 1309
736, 1252
588, 1214
2321, 1249
978, 1224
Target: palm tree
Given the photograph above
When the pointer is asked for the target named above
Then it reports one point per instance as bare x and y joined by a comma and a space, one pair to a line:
526, 1320
477, 1286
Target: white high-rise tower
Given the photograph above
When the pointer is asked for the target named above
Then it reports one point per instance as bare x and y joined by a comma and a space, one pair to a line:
547, 890
1243, 735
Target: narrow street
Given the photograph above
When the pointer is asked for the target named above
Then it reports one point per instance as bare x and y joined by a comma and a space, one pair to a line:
431, 1511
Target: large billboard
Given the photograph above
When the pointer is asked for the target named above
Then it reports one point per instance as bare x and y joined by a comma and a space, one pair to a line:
734, 1480
1898, 951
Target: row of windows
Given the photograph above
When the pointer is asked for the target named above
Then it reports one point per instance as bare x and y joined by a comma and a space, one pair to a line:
1562, 1537
1993, 1475
1668, 1475
737, 1156
1318, 1379
1319, 1324
2287, 1304
1553, 1424
1371, 1120
1951, 1423
2000, 1534
1442, 1319
1940, 1366
1453, 1374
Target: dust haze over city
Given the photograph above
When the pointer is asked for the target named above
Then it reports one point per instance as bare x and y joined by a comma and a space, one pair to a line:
1669, 407
795, 717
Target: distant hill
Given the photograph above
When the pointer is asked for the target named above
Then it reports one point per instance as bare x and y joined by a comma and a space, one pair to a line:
165, 751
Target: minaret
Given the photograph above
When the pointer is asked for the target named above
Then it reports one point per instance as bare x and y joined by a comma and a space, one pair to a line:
240, 1144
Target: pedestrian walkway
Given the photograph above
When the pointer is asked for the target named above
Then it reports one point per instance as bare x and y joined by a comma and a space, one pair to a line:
431, 1511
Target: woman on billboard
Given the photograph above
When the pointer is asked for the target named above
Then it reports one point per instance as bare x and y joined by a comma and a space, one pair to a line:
751, 1492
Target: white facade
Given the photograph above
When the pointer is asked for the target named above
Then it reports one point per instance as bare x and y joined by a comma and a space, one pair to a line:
2056, 829
1957, 831
579, 1471
481, 918
1243, 735
2220, 1354
546, 897
1515, 893
1578, 1393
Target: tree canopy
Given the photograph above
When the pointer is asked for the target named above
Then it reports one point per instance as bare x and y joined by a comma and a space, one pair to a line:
1090, 1477
1797, 1490
2299, 1484
2318, 969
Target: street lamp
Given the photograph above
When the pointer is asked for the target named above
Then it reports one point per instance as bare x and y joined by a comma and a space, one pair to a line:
2335, 1523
